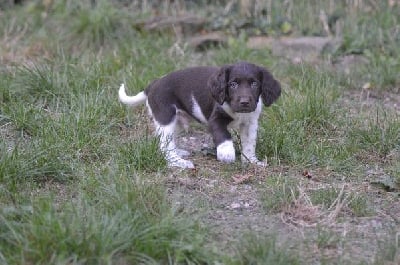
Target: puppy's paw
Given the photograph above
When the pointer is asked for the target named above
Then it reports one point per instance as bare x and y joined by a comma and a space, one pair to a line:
260, 163
226, 152
182, 163
254, 160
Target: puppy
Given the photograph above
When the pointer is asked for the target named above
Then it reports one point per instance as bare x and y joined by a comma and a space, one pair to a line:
224, 97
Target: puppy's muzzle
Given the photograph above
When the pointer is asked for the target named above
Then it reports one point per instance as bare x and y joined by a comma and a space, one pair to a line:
245, 104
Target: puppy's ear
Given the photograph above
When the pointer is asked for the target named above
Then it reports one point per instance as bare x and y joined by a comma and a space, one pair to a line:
218, 82
270, 88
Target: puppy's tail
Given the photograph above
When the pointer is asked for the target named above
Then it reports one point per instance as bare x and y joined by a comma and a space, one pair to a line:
131, 100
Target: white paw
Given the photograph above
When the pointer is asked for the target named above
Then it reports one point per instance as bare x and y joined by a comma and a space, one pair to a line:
254, 160
260, 163
182, 163
226, 152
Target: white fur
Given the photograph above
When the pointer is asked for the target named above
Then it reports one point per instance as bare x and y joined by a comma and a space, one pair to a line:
131, 100
247, 124
242, 118
166, 134
226, 152
196, 110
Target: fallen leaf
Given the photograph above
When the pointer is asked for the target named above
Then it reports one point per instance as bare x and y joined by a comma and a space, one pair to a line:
240, 179
307, 174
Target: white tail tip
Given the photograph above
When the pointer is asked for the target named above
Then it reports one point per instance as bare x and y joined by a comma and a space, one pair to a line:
130, 100
121, 92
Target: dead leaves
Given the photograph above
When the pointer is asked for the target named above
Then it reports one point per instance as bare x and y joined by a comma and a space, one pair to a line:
241, 179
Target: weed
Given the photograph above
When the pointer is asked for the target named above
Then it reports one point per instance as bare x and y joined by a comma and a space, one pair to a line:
382, 71
296, 129
142, 155
259, 249
35, 161
381, 135
359, 205
326, 238
281, 191
324, 197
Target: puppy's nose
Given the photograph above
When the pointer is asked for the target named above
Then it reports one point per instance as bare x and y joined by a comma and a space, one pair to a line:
244, 102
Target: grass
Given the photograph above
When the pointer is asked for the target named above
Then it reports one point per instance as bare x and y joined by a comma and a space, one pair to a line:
142, 155
280, 194
259, 249
81, 177
117, 225
308, 111
381, 135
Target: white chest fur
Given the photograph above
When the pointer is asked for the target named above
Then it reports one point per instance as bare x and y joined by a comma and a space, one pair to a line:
242, 119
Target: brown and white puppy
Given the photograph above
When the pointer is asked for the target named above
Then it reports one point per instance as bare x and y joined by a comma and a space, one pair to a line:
224, 97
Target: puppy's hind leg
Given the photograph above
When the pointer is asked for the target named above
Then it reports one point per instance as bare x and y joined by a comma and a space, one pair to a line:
168, 147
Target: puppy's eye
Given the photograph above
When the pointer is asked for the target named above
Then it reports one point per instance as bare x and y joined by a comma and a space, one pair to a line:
233, 85
254, 84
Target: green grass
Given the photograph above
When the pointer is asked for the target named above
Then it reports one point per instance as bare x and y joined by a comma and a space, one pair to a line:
82, 180
380, 136
142, 155
295, 130
356, 203
279, 194
123, 222
264, 249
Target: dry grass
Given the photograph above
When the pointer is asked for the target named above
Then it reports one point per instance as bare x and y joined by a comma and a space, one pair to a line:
302, 213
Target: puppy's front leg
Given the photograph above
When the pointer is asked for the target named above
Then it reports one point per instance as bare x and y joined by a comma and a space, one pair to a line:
223, 141
226, 151
248, 138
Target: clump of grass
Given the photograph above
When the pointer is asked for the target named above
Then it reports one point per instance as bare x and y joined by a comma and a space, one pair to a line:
324, 197
359, 205
326, 238
356, 203
35, 81
296, 128
126, 220
96, 23
28, 120
280, 193
380, 136
257, 249
142, 155
32, 162
382, 70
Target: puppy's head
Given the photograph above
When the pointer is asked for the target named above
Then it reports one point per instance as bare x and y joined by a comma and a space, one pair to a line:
240, 85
